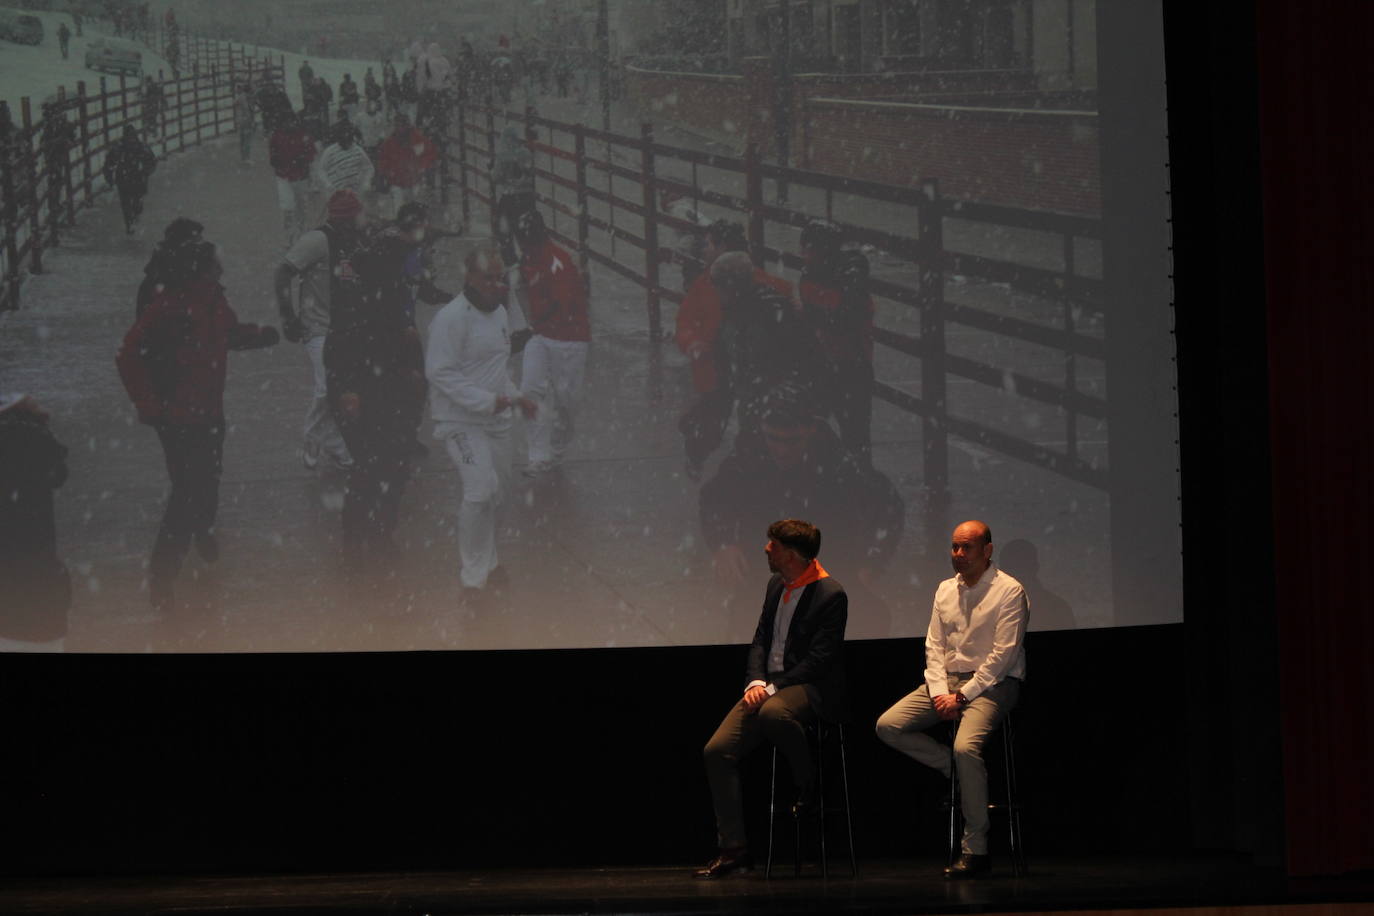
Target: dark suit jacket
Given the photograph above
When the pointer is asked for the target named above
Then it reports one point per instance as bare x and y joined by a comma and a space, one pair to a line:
814, 656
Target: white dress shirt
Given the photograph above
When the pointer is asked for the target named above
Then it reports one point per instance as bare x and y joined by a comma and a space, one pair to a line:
978, 629
782, 622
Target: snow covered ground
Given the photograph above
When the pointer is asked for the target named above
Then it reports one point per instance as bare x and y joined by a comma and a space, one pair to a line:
36, 71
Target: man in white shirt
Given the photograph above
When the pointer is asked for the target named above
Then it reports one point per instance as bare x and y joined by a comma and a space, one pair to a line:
472, 402
974, 668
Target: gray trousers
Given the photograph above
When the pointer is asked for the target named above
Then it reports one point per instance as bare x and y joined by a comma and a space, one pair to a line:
782, 719
903, 727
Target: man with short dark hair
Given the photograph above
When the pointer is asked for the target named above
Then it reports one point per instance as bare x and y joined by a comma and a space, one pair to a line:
974, 667
795, 673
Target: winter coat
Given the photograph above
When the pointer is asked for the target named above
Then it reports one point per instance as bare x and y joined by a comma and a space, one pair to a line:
765, 342
698, 326
348, 93
34, 581
403, 159
291, 150
59, 135
833, 295
557, 294
174, 358
857, 507
373, 349
128, 165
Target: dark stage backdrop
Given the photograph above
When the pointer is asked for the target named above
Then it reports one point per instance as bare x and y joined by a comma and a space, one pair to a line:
571, 757
1317, 126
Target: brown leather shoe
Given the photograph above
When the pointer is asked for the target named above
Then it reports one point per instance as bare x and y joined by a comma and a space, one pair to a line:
969, 865
727, 862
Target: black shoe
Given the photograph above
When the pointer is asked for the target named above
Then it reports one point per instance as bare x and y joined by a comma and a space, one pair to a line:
207, 547
808, 803
727, 862
969, 865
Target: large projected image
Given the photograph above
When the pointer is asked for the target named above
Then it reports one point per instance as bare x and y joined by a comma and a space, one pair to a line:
521, 338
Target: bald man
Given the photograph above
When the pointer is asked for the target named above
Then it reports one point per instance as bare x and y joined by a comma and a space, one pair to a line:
974, 667
473, 401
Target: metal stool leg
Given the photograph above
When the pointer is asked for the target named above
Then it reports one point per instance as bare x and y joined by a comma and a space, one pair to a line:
1018, 852
953, 795
848, 816
772, 810
820, 795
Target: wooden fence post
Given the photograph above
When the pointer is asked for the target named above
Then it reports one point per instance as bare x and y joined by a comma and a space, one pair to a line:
9, 148
934, 434
753, 195
491, 152
649, 200
580, 163
104, 116
31, 178
83, 114
463, 164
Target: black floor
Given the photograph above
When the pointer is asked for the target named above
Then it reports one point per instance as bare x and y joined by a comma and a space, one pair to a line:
882, 887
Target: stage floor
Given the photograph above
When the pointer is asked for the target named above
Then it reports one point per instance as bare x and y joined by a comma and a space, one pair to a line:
882, 887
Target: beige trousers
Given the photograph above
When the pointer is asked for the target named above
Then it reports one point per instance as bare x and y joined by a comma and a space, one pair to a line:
903, 727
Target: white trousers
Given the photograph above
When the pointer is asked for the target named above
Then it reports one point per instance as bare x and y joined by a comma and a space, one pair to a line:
551, 374
294, 198
482, 455
321, 432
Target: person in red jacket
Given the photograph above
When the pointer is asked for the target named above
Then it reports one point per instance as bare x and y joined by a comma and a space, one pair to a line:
172, 364
291, 151
698, 335
404, 161
555, 357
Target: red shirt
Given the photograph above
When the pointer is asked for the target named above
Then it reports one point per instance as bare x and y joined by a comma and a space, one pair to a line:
291, 150
557, 295
403, 159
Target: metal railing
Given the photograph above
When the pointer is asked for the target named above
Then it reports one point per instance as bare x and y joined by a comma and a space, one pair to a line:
601, 191
40, 194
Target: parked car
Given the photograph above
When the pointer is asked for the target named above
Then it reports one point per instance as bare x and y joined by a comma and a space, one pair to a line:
20, 28
101, 55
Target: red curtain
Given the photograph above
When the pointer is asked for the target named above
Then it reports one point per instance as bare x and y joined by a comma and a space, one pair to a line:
1316, 74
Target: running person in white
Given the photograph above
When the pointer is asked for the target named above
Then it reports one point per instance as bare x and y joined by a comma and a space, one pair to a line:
555, 358
473, 400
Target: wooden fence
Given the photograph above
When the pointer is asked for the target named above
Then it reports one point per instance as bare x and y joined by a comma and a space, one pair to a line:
43, 187
602, 194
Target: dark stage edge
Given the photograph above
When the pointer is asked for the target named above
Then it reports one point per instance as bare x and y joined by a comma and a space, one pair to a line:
882, 887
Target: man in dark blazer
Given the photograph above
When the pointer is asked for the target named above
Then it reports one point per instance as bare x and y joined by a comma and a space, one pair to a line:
795, 673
